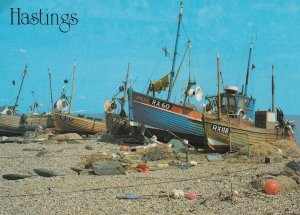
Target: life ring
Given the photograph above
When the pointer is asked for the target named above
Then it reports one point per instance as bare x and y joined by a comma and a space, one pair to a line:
241, 113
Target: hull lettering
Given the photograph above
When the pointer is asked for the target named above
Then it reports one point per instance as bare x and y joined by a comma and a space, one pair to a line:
220, 129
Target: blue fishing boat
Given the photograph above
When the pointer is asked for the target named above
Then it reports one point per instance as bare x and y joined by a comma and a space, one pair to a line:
161, 117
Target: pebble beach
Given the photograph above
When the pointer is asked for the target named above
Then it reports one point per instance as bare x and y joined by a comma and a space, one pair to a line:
222, 187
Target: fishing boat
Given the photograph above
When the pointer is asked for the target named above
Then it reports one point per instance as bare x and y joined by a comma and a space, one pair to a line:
67, 122
232, 124
14, 124
116, 119
161, 117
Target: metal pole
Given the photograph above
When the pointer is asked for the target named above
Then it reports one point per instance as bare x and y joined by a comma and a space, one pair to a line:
71, 100
248, 68
273, 89
219, 95
175, 51
50, 90
23, 76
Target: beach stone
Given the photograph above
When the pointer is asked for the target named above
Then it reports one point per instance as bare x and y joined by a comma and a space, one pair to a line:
108, 168
45, 172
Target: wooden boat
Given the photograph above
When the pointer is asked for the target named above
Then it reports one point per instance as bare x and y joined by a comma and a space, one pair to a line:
116, 119
159, 116
231, 124
225, 135
69, 123
12, 125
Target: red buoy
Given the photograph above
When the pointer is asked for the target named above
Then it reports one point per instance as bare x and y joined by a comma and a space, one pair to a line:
271, 187
191, 195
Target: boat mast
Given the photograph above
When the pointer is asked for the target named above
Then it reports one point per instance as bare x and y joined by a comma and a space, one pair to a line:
125, 92
219, 95
71, 99
23, 76
248, 68
175, 52
50, 90
273, 89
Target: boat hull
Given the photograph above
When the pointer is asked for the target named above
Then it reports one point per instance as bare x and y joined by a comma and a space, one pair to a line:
34, 122
223, 135
68, 123
12, 125
117, 125
159, 117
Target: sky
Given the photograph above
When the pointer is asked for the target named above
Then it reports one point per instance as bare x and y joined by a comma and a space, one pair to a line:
112, 33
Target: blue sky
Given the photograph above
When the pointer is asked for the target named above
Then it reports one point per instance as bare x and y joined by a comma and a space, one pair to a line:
110, 34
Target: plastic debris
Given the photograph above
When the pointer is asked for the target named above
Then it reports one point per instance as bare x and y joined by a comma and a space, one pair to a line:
193, 163
215, 157
142, 167
130, 196
123, 148
177, 194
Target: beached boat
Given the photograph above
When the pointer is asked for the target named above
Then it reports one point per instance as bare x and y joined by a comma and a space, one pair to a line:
14, 124
69, 123
66, 122
159, 116
232, 124
116, 118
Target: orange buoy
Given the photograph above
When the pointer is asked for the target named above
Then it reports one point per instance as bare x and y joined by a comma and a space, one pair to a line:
271, 187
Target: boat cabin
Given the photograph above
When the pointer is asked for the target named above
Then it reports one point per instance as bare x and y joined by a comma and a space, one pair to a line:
233, 104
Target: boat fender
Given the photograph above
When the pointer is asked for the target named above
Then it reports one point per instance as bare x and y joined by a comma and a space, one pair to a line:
241, 113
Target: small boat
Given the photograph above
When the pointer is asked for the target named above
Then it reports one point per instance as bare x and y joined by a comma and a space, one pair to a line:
69, 123
161, 117
14, 124
116, 119
232, 124
66, 122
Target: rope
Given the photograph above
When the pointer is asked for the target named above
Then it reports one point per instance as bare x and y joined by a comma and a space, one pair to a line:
130, 186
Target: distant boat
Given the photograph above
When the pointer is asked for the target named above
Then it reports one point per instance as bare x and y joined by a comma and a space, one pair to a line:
159, 116
117, 120
66, 122
232, 123
14, 124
